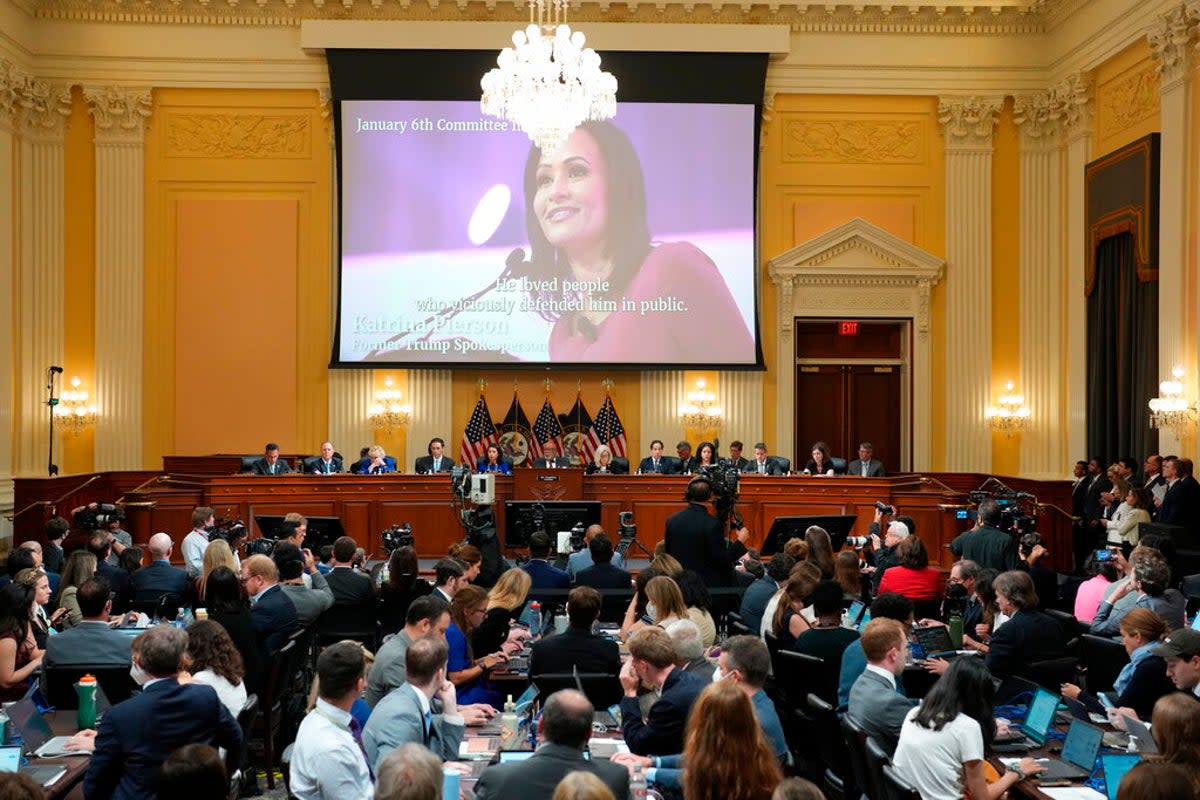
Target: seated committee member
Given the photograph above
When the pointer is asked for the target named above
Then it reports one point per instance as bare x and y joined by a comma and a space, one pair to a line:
375, 462
328, 760
652, 663
493, 461
821, 462
135, 737
763, 464
687, 462
436, 461
550, 458
565, 728
577, 648
656, 463
270, 463
866, 465
735, 456
603, 463
328, 463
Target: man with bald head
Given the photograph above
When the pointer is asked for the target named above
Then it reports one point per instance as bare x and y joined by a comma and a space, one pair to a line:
152, 582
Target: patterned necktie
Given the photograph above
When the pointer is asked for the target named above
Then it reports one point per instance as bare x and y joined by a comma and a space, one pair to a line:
356, 732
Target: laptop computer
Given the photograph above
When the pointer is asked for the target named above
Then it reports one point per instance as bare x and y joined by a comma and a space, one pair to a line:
44, 774
935, 641
854, 612
1078, 754
1141, 735
1031, 733
35, 732
1115, 766
863, 620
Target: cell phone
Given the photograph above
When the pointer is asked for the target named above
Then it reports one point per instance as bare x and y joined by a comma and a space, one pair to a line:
1105, 700
1104, 555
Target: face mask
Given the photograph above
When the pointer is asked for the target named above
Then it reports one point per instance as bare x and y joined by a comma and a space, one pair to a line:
718, 676
138, 674
651, 610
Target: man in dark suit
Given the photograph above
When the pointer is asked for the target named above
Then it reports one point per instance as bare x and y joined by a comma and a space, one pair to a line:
91, 642
273, 614
866, 465
327, 463
1093, 506
544, 574
656, 463
159, 578
435, 461
578, 562
349, 586
763, 464
875, 704
550, 458
986, 544
566, 726
270, 463
736, 458
1083, 537
100, 545
56, 529
578, 648
1181, 504
135, 737
602, 575
697, 539
687, 461
759, 593
652, 663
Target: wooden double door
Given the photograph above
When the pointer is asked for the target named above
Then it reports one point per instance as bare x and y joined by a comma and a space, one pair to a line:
853, 388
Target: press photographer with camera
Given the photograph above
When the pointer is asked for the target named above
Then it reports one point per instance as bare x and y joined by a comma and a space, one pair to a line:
697, 538
105, 517
881, 552
986, 544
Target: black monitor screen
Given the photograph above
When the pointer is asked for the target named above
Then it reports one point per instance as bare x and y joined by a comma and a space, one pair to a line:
525, 517
783, 528
321, 530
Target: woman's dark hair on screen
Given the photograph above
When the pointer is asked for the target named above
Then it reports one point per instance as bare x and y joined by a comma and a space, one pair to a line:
965, 688
628, 235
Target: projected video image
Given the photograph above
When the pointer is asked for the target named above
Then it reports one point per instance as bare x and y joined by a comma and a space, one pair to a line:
631, 244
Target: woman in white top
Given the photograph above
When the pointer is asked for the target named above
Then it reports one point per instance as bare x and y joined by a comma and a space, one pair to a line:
942, 741
1133, 511
216, 662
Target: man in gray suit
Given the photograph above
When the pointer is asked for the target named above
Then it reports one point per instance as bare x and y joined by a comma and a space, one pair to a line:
92, 642
427, 616
874, 702
866, 465
566, 727
407, 714
293, 564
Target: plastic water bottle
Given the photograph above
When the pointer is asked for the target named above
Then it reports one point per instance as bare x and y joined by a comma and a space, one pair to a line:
510, 733
86, 689
535, 618
637, 784
180, 619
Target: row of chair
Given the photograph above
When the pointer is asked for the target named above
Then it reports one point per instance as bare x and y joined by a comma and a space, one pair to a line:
854, 763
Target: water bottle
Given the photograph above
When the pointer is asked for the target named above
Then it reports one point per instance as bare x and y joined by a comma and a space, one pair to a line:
535, 618
4, 723
637, 784
180, 619
86, 689
956, 631
510, 733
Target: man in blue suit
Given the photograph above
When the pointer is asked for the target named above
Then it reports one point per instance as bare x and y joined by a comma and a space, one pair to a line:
544, 574
652, 663
273, 614
136, 736
656, 463
159, 578
759, 593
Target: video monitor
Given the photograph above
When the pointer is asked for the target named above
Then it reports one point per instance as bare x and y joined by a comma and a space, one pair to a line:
783, 528
523, 518
321, 530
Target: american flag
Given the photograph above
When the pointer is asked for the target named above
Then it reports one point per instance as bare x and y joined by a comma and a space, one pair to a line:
547, 428
479, 434
607, 429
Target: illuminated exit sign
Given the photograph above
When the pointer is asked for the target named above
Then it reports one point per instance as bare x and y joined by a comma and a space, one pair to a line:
848, 328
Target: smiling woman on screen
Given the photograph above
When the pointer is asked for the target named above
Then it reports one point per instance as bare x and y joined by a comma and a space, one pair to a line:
619, 296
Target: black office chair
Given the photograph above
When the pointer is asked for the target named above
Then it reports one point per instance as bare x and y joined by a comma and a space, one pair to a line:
1052, 673
895, 787
738, 627
839, 465
58, 684
356, 622
245, 721
268, 722
1071, 627
840, 777
799, 674
1103, 660
785, 464
877, 759
603, 689
856, 748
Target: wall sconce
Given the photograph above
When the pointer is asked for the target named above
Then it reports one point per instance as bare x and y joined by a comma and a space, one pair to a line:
1010, 414
387, 412
700, 410
1171, 409
73, 413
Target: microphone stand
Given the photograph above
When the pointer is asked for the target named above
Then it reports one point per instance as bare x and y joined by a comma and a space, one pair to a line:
51, 403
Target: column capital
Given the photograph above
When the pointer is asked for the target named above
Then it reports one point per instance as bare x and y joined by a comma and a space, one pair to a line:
969, 120
1169, 39
44, 108
12, 79
1038, 117
1074, 94
120, 112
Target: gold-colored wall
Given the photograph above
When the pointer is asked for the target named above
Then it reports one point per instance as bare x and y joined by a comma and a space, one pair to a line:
1006, 280
1127, 98
79, 341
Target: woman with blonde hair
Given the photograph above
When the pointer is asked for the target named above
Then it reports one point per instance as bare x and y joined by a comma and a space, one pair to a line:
80, 567
581, 785
664, 601
506, 601
666, 564
217, 554
1143, 680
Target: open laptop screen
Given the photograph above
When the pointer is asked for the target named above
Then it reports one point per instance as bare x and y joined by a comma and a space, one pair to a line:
1040, 715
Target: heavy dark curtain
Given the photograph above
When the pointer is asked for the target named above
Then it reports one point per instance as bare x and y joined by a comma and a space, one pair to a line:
1122, 354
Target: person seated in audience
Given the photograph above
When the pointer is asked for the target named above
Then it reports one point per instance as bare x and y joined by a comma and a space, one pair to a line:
448, 578
80, 567
877, 703
636, 616
91, 643
1151, 575
218, 553
665, 563
797, 789
349, 586
328, 762
426, 616
1175, 724
854, 659
100, 545
820, 551
943, 741
759, 593
214, 661
652, 663
544, 574
1181, 651
788, 623
577, 648
135, 737
493, 461
467, 672
130, 560
699, 604
771, 614
273, 614
22, 558
1144, 679
228, 606
375, 462
40, 622
847, 571
294, 565
270, 463
565, 727
1028, 636
821, 463
20, 656
405, 714
506, 602
404, 584
410, 772
603, 464
158, 578
912, 576
664, 602
193, 772
961, 594
689, 649
1156, 780
1090, 592
747, 569
826, 639
579, 561
990, 618
579, 785
604, 573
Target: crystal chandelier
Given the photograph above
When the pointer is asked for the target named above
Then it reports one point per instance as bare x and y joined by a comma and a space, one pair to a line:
1010, 414
73, 413
700, 410
548, 83
1171, 409
388, 413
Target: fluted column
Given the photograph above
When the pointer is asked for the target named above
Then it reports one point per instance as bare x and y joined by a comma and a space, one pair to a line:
968, 123
40, 270
741, 395
1170, 41
120, 121
432, 398
1078, 110
10, 80
1039, 120
662, 392
349, 402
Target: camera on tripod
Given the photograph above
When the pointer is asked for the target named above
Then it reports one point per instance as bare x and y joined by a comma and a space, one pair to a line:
95, 516
723, 479
398, 536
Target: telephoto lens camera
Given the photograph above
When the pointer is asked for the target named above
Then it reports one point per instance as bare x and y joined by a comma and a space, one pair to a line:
723, 477
884, 508
858, 542
398, 536
98, 515
230, 530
